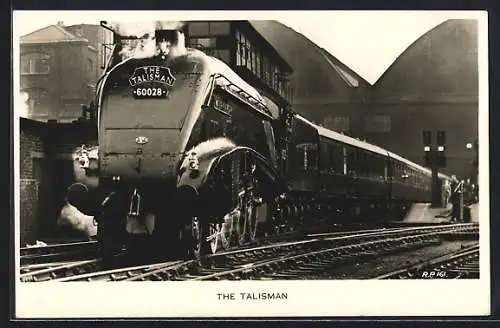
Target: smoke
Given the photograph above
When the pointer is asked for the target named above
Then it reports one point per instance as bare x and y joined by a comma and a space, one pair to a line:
85, 166
140, 29
73, 217
142, 48
146, 45
22, 105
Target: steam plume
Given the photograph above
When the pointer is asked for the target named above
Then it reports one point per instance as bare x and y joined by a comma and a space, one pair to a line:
146, 45
140, 29
22, 105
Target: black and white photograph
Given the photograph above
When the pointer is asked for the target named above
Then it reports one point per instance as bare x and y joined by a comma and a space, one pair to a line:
260, 163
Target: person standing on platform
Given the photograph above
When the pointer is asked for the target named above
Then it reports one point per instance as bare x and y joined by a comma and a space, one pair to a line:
476, 193
446, 194
455, 198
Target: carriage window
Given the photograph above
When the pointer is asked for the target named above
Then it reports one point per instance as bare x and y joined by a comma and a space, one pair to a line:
307, 156
324, 156
312, 157
331, 157
352, 161
377, 169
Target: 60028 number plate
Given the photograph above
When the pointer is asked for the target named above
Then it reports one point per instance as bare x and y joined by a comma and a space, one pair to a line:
150, 92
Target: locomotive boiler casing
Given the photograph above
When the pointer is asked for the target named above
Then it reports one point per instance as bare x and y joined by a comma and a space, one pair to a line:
145, 138
155, 152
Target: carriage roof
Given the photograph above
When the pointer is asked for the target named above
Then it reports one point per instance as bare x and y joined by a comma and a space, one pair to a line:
329, 134
410, 163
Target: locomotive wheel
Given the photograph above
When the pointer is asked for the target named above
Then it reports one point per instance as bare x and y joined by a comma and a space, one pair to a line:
226, 232
252, 223
197, 243
202, 238
214, 233
242, 225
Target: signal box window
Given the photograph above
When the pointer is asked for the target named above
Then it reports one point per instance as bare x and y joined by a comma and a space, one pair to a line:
35, 63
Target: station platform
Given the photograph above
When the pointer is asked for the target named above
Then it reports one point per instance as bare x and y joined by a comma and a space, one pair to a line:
423, 212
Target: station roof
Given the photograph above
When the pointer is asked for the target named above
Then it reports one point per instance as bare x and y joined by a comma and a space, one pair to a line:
317, 74
440, 65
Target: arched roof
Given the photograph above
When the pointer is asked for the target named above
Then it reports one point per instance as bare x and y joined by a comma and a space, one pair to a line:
441, 65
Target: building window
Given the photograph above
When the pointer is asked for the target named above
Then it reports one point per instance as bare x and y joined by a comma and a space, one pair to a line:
377, 123
248, 55
38, 100
243, 50
337, 123
35, 63
238, 49
258, 65
265, 70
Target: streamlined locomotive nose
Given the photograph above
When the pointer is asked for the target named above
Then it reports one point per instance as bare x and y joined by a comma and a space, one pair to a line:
140, 153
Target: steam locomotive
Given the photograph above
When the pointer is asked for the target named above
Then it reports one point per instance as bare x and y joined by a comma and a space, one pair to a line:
191, 159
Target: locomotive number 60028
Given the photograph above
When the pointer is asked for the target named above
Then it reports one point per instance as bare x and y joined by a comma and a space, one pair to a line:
149, 92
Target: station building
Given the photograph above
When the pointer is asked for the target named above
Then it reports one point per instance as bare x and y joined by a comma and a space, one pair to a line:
432, 85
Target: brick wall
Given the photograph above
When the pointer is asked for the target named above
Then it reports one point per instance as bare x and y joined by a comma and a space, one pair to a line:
45, 173
28, 211
31, 145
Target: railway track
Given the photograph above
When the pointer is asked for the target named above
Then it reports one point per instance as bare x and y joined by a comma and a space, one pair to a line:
58, 253
463, 264
284, 260
52, 262
65, 253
